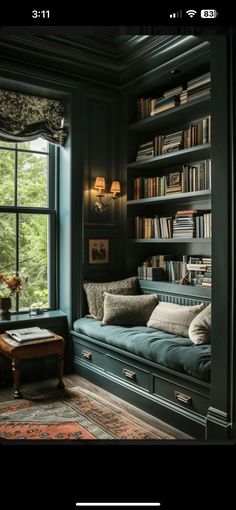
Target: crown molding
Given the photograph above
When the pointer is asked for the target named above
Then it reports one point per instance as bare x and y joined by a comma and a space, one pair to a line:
109, 60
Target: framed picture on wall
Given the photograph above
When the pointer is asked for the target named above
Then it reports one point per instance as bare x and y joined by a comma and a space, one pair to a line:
98, 251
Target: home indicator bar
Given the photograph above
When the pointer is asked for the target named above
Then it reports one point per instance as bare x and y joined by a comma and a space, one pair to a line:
119, 504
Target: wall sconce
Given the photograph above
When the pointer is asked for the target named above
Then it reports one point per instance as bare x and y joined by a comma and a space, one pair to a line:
100, 184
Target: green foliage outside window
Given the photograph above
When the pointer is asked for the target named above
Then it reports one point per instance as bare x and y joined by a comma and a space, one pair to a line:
32, 189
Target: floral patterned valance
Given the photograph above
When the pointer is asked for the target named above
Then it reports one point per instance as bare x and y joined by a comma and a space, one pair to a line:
25, 117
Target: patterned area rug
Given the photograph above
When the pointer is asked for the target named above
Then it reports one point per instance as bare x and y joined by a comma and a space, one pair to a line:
72, 414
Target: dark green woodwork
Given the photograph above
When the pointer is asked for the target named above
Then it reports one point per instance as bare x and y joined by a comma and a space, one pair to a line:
101, 60
180, 115
232, 380
173, 158
101, 152
153, 389
99, 85
171, 240
191, 293
176, 197
220, 412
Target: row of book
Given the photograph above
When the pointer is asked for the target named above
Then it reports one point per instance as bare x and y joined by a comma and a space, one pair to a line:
196, 89
195, 177
197, 133
195, 270
185, 224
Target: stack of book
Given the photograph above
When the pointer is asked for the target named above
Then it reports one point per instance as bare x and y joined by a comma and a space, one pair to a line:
199, 87
164, 103
184, 224
146, 150
173, 142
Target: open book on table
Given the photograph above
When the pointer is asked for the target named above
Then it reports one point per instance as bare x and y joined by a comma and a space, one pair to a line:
22, 335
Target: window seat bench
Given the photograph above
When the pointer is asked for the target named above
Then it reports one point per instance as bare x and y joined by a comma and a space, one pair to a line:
165, 375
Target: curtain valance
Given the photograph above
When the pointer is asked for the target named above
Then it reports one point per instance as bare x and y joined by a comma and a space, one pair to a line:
25, 117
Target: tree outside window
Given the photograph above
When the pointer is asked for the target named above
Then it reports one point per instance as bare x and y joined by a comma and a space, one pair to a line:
27, 217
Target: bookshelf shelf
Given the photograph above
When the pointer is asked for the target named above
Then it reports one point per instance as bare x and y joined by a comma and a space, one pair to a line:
156, 203
174, 116
194, 291
173, 241
173, 197
196, 153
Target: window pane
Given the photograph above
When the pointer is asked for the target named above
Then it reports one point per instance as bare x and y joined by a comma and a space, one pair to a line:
32, 179
7, 172
33, 259
40, 145
7, 144
8, 246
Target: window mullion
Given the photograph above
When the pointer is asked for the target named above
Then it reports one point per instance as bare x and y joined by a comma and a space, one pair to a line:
15, 180
17, 221
17, 254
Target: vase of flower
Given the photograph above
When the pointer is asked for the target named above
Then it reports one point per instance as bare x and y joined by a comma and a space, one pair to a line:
5, 305
9, 286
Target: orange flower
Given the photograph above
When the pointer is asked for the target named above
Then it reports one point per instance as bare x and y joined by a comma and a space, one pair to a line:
9, 285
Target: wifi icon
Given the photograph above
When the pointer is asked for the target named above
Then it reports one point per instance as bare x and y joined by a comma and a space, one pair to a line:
191, 13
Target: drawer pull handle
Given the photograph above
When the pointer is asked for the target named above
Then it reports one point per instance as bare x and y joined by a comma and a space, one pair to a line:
129, 374
87, 354
183, 398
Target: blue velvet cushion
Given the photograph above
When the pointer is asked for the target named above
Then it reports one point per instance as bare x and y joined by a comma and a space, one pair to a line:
172, 351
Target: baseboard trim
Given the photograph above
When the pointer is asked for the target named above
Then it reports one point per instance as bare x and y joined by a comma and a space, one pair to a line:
217, 425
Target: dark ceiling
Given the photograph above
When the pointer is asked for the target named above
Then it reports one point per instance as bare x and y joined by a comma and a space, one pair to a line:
112, 59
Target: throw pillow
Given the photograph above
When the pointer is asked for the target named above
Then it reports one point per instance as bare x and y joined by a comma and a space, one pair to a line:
173, 318
95, 293
200, 328
128, 310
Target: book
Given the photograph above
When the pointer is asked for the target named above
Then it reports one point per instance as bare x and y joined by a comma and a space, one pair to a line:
25, 334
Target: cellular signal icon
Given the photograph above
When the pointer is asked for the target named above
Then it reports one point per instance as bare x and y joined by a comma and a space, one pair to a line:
177, 14
191, 13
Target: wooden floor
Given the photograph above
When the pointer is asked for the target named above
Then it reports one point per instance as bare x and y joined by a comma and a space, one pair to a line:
34, 389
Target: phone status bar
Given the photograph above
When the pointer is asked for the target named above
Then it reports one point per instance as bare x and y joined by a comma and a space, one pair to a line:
163, 16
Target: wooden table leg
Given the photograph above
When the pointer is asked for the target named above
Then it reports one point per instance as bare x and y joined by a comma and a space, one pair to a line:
16, 378
2, 370
60, 364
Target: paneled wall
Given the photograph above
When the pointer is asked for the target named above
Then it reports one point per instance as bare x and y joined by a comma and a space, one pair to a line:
101, 158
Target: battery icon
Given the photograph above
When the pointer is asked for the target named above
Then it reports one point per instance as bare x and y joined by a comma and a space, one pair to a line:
209, 13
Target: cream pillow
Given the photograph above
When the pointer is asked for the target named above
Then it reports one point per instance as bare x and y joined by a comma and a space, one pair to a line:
174, 318
95, 293
200, 328
128, 310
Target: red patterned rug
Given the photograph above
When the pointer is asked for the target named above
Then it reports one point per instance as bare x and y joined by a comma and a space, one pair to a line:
72, 414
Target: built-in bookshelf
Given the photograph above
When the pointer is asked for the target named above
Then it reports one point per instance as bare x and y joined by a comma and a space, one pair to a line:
169, 179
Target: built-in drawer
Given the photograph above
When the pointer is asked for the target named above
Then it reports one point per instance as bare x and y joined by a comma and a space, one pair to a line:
180, 395
88, 354
128, 372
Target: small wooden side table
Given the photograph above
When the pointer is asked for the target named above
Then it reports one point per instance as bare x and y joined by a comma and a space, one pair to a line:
18, 352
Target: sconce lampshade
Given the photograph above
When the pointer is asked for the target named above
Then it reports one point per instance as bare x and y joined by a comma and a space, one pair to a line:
115, 187
100, 183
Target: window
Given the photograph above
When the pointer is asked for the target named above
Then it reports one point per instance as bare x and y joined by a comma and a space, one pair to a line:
28, 219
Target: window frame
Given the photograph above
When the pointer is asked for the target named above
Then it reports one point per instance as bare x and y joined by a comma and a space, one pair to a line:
50, 211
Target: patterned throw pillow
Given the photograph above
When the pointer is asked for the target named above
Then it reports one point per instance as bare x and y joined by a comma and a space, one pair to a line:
200, 328
173, 318
128, 310
95, 293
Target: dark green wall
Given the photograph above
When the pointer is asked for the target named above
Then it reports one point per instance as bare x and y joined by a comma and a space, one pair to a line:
101, 149
96, 146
